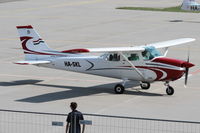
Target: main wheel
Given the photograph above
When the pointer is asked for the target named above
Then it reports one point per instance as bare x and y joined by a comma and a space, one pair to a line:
170, 90
145, 85
119, 89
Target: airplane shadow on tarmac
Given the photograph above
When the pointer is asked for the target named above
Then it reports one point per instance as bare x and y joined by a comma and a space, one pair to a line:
20, 82
184, 21
73, 92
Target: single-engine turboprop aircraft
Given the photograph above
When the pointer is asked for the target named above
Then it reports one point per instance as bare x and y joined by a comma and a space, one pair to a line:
190, 5
144, 64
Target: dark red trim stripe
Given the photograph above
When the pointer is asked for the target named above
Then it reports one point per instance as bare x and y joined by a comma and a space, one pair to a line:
22, 63
24, 41
38, 40
171, 74
25, 27
76, 51
39, 53
169, 61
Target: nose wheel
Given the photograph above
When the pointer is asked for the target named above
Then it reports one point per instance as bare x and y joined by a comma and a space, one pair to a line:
169, 90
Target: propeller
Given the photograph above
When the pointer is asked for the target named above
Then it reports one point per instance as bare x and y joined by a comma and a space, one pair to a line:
186, 75
187, 68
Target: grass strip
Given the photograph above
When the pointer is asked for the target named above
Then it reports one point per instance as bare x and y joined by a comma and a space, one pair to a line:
168, 9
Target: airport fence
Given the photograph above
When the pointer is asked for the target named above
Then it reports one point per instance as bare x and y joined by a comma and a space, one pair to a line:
12, 121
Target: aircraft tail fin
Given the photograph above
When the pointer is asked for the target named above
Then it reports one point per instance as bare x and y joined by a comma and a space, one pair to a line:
33, 45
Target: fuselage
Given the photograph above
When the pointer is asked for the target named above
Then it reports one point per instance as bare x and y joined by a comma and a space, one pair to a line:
145, 63
157, 69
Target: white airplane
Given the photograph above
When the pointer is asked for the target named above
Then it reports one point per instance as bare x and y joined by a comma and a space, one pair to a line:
144, 64
190, 5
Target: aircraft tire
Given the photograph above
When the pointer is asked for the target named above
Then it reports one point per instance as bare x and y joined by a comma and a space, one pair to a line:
145, 85
119, 89
170, 90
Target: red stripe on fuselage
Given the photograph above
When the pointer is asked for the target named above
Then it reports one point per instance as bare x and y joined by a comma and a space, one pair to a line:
22, 63
171, 73
24, 27
76, 51
38, 40
169, 61
28, 51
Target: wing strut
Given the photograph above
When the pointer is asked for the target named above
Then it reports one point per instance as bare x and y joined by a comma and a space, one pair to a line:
166, 51
141, 75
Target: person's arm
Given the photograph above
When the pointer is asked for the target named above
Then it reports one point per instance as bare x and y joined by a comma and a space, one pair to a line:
67, 127
83, 128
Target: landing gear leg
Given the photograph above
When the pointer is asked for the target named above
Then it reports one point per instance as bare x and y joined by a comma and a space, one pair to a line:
169, 90
119, 88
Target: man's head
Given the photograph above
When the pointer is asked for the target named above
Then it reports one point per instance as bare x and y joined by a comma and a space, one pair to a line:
73, 105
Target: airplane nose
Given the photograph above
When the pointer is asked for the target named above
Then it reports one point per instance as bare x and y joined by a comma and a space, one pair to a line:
174, 62
187, 64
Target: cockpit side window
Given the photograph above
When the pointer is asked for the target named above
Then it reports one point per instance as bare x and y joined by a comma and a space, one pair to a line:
114, 57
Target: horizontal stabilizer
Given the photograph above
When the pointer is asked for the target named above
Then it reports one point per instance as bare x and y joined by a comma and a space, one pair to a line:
32, 62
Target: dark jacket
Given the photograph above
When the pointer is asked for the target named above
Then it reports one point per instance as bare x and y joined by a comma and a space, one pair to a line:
73, 118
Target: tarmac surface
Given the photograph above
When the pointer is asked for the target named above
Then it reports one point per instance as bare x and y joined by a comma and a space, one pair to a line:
66, 24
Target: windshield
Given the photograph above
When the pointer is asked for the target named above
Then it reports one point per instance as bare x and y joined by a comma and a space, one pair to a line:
150, 53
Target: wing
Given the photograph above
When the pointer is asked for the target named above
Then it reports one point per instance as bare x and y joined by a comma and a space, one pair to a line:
172, 42
32, 62
134, 48
102, 50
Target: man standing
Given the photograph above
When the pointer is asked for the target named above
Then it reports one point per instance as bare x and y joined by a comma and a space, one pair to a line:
73, 119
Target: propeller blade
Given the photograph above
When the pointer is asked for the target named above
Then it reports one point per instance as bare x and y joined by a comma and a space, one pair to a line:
186, 68
188, 58
186, 75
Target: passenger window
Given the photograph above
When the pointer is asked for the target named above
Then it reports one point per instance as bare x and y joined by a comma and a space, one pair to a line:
133, 57
114, 57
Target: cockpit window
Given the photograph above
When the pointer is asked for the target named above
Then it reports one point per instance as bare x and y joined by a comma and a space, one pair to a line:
150, 53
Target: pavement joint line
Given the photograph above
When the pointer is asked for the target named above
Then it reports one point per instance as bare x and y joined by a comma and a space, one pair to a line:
55, 6
51, 78
126, 101
68, 41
